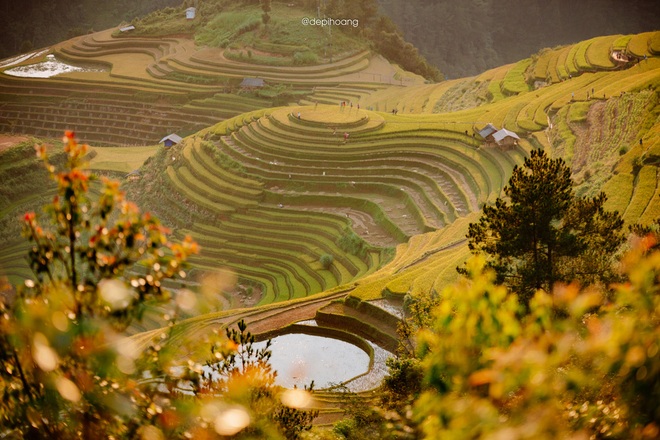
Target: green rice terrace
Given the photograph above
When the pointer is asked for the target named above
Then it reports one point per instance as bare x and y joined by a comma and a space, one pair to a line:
334, 186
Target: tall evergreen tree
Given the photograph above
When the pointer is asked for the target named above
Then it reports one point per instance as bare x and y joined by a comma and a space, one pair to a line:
541, 233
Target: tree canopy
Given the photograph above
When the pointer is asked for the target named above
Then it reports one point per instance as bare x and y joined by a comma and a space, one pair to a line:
541, 233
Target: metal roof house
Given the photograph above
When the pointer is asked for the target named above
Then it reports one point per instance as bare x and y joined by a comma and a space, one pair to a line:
487, 131
505, 138
252, 83
134, 175
171, 139
190, 13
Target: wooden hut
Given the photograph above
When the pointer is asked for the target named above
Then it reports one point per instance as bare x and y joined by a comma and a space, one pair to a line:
505, 139
487, 132
252, 83
170, 140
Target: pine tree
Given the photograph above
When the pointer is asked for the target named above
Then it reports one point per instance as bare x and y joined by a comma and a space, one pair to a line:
541, 233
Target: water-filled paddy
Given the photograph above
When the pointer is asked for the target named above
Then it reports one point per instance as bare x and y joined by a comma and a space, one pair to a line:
49, 68
299, 358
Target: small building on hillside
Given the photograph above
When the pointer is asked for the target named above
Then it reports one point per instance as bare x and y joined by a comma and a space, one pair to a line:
619, 57
134, 175
128, 28
252, 83
487, 132
505, 138
170, 140
190, 13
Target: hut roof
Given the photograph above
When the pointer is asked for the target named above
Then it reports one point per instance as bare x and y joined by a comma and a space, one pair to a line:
487, 131
252, 82
175, 138
503, 133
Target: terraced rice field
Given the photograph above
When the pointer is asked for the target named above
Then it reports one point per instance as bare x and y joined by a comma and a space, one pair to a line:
157, 86
569, 81
268, 191
310, 175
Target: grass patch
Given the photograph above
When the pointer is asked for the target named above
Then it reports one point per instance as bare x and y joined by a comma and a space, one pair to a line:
619, 191
567, 137
285, 42
645, 187
352, 243
226, 26
167, 21
122, 159
577, 112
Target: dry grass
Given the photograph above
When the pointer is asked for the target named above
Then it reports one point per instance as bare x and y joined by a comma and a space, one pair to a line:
123, 159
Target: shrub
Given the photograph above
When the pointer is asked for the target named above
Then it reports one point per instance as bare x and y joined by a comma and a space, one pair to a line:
582, 364
58, 339
326, 261
305, 58
70, 371
352, 243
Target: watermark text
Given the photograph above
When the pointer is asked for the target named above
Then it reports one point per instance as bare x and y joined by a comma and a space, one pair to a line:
307, 21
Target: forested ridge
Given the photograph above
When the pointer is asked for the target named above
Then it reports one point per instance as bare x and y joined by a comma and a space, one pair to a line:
466, 37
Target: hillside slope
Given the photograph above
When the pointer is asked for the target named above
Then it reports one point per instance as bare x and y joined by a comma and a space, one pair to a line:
341, 187
304, 163
466, 37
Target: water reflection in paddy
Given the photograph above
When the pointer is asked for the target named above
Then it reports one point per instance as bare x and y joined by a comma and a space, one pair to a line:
299, 358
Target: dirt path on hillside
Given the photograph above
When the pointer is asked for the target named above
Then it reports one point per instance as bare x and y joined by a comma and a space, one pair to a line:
268, 321
8, 141
586, 135
280, 315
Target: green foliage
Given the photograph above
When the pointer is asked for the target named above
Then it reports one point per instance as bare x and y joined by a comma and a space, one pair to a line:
69, 370
326, 261
221, 159
59, 336
577, 365
388, 41
265, 17
227, 26
305, 58
167, 21
577, 112
541, 233
351, 243
365, 421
